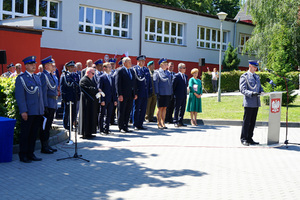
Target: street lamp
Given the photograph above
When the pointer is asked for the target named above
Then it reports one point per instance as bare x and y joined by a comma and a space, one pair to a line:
222, 17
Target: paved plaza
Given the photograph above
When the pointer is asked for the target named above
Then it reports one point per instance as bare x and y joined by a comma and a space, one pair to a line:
203, 162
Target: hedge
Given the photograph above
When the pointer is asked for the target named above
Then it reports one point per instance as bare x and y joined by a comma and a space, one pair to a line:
230, 80
8, 107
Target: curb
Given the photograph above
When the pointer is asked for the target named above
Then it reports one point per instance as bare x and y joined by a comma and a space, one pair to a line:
239, 123
60, 137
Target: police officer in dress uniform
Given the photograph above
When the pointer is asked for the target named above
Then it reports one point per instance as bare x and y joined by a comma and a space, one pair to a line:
151, 97
69, 94
251, 88
170, 108
29, 96
113, 62
142, 76
49, 86
10, 70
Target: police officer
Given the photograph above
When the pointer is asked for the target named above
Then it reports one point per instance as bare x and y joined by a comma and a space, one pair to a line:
113, 62
143, 86
251, 88
99, 70
69, 94
29, 96
10, 70
50, 102
171, 105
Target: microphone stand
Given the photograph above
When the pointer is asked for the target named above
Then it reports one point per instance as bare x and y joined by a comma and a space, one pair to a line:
286, 142
76, 126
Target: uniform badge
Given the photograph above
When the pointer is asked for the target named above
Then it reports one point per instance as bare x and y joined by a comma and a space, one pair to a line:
32, 87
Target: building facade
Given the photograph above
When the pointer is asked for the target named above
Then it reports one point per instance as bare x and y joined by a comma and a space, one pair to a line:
82, 29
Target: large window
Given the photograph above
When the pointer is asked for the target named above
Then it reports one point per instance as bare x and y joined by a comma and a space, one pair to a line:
163, 31
210, 38
103, 22
48, 9
243, 39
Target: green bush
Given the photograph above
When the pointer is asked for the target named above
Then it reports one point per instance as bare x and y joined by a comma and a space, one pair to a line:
9, 106
230, 80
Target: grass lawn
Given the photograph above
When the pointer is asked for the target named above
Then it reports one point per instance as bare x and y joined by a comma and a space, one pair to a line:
230, 108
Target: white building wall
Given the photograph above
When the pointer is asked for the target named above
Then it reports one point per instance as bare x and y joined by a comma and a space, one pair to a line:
69, 37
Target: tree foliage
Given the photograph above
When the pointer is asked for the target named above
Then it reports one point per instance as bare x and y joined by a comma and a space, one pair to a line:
231, 7
276, 38
231, 61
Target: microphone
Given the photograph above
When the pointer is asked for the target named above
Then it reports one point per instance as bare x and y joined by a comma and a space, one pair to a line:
271, 82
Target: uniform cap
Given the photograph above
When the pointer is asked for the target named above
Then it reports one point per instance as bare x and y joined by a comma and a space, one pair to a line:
29, 60
47, 60
162, 60
98, 62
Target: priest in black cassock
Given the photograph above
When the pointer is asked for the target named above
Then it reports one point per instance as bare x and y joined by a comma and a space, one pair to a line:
88, 103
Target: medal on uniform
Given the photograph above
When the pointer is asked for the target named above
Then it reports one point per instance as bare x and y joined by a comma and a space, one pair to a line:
32, 87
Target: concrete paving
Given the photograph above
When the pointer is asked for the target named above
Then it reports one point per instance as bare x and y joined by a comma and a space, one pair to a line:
203, 162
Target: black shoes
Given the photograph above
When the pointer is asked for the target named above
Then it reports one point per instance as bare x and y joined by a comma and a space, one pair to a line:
52, 149
46, 151
140, 128
253, 142
88, 136
245, 143
34, 158
25, 160
125, 130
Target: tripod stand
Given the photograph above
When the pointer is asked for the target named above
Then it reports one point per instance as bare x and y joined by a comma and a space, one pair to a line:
76, 126
75, 154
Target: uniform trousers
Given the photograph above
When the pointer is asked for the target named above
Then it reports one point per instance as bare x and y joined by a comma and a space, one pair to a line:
249, 120
139, 111
28, 134
124, 109
180, 104
105, 116
151, 103
170, 110
44, 134
66, 115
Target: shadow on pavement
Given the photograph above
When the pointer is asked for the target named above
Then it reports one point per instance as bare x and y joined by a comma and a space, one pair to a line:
113, 170
289, 147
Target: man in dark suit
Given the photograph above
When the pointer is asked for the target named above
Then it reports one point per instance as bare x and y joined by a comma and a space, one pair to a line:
170, 108
88, 103
125, 87
29, 96
180, 83
107, 86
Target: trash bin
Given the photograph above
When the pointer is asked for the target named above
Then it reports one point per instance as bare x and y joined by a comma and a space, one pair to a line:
6, 138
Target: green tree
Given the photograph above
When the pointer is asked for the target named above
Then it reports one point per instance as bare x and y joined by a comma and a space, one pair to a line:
276, 39
231, 7
231, 61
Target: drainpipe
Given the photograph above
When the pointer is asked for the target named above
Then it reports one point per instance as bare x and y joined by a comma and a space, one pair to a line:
141, 29
234, 33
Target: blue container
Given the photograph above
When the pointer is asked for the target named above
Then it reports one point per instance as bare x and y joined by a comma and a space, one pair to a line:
6, 138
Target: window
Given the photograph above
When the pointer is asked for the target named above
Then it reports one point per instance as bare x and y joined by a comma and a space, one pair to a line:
163, 31
48, 9
243, 39
210, 38
103, 22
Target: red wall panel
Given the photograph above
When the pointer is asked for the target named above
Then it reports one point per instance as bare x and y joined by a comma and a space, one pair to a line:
18, 46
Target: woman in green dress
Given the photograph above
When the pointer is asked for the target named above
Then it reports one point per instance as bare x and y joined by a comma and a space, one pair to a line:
194, 101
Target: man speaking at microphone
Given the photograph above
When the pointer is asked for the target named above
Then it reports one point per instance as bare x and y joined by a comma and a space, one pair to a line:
251, 88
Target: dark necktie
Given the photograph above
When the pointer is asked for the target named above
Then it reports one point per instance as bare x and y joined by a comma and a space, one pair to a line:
129, 73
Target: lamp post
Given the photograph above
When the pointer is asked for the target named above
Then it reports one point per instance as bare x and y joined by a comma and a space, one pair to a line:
222, 17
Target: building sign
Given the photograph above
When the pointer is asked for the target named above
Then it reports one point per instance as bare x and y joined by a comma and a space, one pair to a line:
275, 105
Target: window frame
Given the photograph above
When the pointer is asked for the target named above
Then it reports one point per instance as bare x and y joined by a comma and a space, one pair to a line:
148, 34
208, 44
48, 19
103, 25
242, 46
